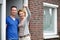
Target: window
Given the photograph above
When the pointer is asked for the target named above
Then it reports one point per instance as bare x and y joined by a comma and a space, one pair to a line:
50, 20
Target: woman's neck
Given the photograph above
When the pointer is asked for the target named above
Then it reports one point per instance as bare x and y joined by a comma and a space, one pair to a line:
21, 19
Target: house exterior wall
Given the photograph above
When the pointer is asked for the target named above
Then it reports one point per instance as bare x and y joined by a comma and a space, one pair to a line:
36, 22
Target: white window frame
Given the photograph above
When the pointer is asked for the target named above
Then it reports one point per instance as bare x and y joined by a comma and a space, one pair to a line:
3, 18
52, 35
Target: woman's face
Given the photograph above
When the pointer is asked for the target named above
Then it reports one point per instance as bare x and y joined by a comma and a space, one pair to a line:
21, 14
14, 11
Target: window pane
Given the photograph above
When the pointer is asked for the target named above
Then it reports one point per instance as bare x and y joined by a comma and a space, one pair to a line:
48, 20
0, 22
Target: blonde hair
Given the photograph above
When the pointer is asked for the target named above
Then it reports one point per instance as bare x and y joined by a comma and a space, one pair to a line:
22, 10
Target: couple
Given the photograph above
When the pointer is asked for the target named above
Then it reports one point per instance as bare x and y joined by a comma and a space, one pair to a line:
18, 29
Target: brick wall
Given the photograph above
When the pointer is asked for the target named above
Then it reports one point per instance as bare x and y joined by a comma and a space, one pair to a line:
36, 27
36, 22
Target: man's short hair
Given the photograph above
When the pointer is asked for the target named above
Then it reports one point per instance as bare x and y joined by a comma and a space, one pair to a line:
13, 7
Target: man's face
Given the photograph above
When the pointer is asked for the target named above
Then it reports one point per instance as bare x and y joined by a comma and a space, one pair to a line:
13, 11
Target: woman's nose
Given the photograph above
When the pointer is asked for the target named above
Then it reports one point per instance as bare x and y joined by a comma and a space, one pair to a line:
21, 15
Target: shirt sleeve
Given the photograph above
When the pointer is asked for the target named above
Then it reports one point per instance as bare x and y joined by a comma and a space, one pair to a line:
28, 13
17, 20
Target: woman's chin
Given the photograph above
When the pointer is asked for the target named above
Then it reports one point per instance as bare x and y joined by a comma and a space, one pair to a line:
21, 17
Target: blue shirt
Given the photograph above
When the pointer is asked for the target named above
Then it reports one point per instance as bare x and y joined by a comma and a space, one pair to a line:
12, 28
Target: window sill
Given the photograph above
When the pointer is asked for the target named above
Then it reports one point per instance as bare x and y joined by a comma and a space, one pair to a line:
51, 36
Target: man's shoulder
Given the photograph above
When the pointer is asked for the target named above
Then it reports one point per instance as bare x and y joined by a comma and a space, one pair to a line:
8, 18
17, 20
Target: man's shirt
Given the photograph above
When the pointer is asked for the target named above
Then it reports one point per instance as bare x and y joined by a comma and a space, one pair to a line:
12, 28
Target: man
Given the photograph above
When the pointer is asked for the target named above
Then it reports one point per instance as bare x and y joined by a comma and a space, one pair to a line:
12, 25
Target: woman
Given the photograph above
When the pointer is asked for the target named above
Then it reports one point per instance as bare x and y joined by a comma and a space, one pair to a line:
24, 16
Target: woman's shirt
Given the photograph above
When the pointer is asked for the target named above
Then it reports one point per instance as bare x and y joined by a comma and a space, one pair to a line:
24, 30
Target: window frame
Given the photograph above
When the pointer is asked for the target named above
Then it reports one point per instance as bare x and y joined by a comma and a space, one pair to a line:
52, 35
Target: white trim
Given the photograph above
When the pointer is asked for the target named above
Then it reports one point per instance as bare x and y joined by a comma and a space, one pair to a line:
50, 5
51, 36
48, 35
50, 10
3, 21
55, 20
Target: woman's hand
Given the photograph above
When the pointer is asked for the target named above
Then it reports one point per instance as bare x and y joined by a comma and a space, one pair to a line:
25, 6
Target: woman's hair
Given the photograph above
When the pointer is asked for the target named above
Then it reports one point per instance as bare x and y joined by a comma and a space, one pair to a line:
21, 10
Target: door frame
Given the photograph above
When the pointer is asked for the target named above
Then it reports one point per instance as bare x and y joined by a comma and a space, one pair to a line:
3, 18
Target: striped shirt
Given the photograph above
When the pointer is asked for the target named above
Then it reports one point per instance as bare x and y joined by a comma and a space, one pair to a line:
24, 30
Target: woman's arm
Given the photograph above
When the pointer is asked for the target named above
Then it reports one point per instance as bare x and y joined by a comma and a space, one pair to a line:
28, 13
